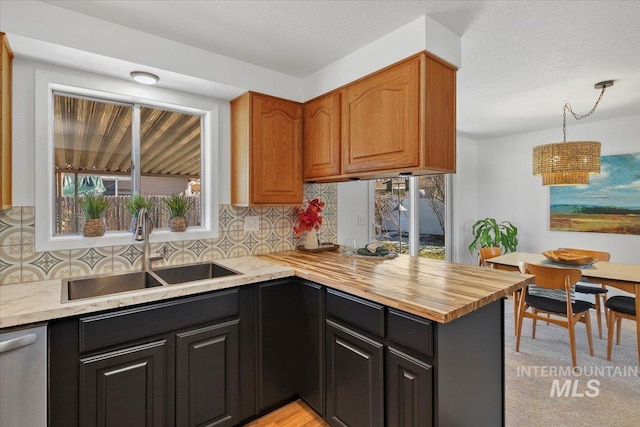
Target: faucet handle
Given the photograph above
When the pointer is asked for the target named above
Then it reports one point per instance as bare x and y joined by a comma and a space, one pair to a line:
159, 255
156, 257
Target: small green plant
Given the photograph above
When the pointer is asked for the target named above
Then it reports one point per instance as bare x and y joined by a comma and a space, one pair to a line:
137, 202
488, 232
93, 205
179, 205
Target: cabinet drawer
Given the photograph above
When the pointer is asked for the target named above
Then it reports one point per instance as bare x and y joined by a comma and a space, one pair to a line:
355, 311
108, 329
411, 331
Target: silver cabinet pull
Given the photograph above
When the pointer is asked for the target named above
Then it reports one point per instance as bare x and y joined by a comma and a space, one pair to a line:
19, 342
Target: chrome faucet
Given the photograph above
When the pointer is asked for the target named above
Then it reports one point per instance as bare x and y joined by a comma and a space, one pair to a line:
142, 234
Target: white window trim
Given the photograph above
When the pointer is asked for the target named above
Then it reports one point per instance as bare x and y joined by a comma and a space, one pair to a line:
118, 90
448, 226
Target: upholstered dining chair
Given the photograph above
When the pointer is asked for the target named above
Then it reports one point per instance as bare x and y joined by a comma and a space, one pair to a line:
587, 287
570, 312
619, 307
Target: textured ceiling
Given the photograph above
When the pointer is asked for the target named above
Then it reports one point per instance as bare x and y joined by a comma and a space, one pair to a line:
521, 60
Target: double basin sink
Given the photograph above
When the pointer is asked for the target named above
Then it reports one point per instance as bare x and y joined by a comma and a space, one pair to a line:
88, 287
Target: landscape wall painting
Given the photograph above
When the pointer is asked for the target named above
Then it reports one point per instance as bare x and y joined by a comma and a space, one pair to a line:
609, 204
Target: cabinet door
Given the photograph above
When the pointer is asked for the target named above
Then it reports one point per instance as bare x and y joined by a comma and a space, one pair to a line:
207, 376
409, 391
322, 137
125, 387
381, 120
355, 390
311, 348
276, 151
278, 342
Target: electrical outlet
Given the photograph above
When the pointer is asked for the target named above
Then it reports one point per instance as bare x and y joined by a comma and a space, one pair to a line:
251, 223
362, 220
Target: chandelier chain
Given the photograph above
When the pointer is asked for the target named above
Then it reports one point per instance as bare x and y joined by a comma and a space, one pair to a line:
567, 106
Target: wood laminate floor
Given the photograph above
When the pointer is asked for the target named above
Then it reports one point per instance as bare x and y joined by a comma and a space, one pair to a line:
295, 414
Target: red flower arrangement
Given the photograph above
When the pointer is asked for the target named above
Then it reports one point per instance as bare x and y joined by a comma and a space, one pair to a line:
308, 217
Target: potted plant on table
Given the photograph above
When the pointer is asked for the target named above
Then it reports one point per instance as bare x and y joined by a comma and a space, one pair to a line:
488, 232
178, 206
309, 220
133, 206
93, 207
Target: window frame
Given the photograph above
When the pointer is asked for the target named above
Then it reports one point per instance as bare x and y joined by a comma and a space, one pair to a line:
414, 249
111, 89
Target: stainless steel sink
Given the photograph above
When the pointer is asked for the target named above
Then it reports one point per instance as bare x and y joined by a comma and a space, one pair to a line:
193, 272
88, 287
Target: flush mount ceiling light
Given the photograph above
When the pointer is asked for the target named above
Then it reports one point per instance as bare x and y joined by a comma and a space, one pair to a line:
144, 77
569, 162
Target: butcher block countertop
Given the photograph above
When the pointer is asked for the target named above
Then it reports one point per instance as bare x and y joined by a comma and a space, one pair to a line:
437, 290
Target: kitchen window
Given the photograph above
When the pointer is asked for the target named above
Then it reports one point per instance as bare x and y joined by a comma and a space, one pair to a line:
392, 215
111, 140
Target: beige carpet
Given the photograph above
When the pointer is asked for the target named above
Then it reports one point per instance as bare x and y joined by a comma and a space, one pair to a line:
530, 377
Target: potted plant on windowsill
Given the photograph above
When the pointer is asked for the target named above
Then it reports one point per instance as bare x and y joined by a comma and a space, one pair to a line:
133, 206
178, 206
488, 232
93, 207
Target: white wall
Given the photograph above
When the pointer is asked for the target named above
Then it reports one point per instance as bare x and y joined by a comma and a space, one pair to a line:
507, 190
91, 44
354, 198
95, 45
24, 151
421, 34
464, 201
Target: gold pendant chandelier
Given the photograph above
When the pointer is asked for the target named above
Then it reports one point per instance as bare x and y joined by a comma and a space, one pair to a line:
569, 162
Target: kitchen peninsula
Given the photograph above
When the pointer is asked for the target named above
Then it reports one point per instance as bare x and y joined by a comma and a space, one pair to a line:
363, 342
421, 338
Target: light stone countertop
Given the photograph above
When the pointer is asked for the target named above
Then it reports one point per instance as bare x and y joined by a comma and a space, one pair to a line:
34, 302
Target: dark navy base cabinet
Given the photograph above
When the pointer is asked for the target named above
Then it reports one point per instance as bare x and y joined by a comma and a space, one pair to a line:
222, 358
174, 363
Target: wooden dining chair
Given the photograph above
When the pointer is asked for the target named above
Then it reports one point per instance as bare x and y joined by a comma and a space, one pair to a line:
485, 253
570, 313
619, 307
588, 287
491, 252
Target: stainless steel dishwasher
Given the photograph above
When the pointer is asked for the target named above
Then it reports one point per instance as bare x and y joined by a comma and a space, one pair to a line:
23, 377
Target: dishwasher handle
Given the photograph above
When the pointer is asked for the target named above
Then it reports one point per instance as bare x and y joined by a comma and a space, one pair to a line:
19, 342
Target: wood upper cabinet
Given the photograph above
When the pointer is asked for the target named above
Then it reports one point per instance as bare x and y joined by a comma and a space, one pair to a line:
266, 151
381, 120
6, 67
401, 119
322, 137
439, 151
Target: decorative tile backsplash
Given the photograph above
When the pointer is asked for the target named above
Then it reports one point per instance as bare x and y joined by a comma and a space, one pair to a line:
19, 262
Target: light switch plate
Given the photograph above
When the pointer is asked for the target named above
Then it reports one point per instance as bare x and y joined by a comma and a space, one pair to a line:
362, 220
251, 223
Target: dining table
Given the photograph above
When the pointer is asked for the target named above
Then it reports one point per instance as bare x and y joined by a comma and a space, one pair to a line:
625, 277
